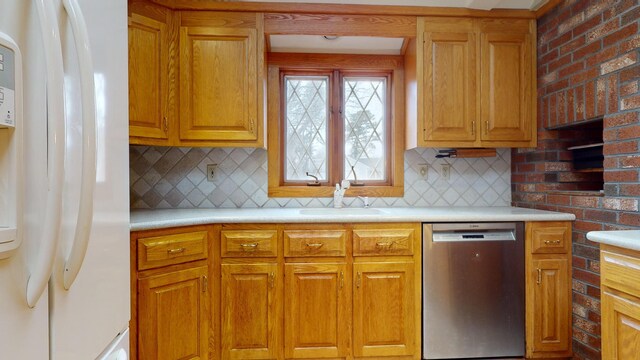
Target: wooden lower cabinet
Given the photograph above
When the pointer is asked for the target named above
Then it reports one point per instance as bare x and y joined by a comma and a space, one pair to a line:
249, 311
173, 315
548, 289
383, 309
317, 308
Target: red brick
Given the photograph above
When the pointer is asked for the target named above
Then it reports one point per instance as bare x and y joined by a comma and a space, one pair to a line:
571, 69
579, 213
602, 56
630, 44
598, 7
588, 50
548, 57
590, 99
559, 199
620, 120
585, 201
626, 147
609, 135
579, 262
620, 176
610, 163
580, 105
562, 107
572, 45
563, 61
630, 190
593, 292
571, 105
632, 219
588, 74
595, 317
601, 89
553, 110
603, 30
600, 216
558, 85
524, 168
624, 5
577, 286
630, 103
548, 78
632, 132
571, 23
586, 26
620, 35
594, 266
557, 166
630, 74
612, 95
585, 325
618, 63
631, 16
578, 309
629, 89
586, 277
634, 160
560, 40
622, 204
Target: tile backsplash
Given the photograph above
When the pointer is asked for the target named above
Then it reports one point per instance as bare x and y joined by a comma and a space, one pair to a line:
170, 177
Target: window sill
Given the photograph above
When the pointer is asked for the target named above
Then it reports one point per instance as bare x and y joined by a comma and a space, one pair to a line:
327, 191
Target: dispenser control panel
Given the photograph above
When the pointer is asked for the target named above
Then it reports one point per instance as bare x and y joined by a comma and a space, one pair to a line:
7, 87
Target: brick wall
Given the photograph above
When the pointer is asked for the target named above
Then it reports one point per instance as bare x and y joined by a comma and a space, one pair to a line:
588, 68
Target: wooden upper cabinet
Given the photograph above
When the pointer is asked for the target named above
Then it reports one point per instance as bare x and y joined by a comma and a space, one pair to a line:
219, 79
173, 315
476, 85
149, 75
507, 90
450, 82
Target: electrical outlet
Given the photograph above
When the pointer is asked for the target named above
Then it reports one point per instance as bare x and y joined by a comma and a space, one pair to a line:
423, 169
211, 172
446, 172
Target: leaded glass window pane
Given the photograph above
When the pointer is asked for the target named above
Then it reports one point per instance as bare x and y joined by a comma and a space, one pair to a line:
306, 114
365, 128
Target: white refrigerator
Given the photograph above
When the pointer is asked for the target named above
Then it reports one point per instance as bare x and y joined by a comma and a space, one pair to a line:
64, 170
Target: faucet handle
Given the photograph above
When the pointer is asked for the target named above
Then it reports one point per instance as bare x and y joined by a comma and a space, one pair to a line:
365, 201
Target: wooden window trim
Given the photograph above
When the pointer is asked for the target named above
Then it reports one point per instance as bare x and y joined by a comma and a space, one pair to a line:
348, 64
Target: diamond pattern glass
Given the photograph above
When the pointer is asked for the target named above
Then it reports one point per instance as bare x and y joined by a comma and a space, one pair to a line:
365, 128
307, 114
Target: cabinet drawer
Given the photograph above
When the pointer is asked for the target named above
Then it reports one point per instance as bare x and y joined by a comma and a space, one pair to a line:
620, 272
315, 243
372, 242
551, 239
171, 249
249, 243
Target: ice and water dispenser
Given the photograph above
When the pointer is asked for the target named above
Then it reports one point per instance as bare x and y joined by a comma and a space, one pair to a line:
10, 145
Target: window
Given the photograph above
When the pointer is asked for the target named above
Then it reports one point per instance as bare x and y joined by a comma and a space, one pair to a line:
334, 124
355, 137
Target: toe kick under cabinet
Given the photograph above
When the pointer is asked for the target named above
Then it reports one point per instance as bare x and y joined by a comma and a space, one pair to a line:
312, 291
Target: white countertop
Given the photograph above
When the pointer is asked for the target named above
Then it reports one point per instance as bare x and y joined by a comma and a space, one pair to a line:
628, 239
158, 219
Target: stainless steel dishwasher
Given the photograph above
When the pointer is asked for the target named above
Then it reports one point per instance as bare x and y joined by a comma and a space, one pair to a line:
473, 290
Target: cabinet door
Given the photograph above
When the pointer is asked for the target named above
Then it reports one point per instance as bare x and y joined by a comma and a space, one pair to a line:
173, 315
218, 84
316, 311
148, 77
549, 283
620, 327
383, 309
507, 86
450, 84
249, 311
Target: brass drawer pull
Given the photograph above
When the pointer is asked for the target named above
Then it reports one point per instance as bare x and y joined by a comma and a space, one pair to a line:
385, 245
315, 246
552, 242
249, 247
539, 280
358, 279
175, 251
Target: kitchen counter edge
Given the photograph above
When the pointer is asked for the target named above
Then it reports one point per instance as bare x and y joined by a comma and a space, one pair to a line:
628, 239
168, 218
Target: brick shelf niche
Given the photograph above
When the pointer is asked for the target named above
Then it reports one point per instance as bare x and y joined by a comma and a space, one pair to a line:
588, 68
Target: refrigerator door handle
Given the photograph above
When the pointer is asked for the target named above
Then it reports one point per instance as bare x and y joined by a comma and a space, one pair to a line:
43, 264
73, 263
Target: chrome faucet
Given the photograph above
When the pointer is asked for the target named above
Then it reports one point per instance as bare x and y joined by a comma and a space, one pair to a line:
365, 201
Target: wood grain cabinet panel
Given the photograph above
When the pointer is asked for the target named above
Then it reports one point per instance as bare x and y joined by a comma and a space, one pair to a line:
249, 311
148, 79
158, 251
218, 85
383, 241
548, 290
309, 243
383, 309
317, 323
249, 243
173, 315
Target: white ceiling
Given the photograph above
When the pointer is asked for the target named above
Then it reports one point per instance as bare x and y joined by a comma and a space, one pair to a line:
471, 4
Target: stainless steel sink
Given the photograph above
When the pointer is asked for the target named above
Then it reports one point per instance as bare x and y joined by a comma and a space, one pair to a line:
342, 211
